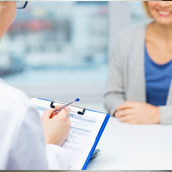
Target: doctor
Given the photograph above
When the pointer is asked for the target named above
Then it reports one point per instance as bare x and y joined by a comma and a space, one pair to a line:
26, 141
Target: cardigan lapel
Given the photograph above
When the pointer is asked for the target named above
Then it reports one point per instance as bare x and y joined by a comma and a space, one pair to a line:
169, 99
137, 82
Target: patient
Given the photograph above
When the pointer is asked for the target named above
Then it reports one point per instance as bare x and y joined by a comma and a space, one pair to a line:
139, 88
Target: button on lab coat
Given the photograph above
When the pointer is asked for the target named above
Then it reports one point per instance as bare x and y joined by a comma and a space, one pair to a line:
22, 142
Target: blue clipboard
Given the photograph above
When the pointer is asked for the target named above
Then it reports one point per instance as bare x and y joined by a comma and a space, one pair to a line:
98, 135
97, 138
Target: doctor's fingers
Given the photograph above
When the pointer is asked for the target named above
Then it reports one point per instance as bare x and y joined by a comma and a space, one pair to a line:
122, 113
47, 113
63, 115
63, 118
58, 107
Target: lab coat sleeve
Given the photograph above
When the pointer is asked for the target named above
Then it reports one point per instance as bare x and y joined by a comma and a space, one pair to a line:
28, 150
57, 157
23, 140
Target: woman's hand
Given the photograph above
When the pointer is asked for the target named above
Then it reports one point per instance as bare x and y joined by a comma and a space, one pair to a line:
138, 113
56, 127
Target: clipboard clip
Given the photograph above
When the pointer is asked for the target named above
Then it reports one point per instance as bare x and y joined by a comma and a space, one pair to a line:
75, 109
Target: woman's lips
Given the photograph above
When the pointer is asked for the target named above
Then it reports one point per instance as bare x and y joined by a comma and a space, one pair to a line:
164, 13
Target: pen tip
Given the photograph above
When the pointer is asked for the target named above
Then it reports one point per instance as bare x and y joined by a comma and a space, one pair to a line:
77, 100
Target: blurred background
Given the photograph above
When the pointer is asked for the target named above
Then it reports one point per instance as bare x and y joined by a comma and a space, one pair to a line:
59, 50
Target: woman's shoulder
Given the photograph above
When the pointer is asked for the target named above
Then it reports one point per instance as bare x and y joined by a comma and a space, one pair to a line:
132, 33
130, 41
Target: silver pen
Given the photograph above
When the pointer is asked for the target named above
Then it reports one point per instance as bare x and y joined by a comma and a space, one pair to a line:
59, 109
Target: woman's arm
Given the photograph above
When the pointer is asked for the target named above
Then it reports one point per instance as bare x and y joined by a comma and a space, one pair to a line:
166, 114
114, 94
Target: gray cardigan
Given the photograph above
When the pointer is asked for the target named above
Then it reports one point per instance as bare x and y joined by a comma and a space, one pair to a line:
126, 78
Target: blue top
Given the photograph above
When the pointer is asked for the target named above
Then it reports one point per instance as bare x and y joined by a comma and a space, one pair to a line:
158, 79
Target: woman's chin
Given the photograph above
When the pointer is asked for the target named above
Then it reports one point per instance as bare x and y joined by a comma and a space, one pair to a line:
165, 22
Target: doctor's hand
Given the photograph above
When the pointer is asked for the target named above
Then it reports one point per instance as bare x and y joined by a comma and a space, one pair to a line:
138, 113
56, 127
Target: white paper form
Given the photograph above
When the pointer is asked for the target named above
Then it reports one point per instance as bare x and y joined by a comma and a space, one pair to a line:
80, 131
82, 135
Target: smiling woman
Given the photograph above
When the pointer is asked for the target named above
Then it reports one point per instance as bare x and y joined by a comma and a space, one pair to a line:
160, 11
139, 88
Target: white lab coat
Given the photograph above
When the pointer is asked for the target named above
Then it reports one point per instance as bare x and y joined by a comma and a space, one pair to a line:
22, 142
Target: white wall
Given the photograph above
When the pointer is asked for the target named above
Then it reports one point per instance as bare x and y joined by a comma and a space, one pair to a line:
119, 18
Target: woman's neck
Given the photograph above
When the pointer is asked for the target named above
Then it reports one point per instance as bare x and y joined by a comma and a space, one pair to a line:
163, 31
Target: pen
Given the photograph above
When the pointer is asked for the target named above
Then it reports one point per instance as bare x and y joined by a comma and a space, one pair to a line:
58, 110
